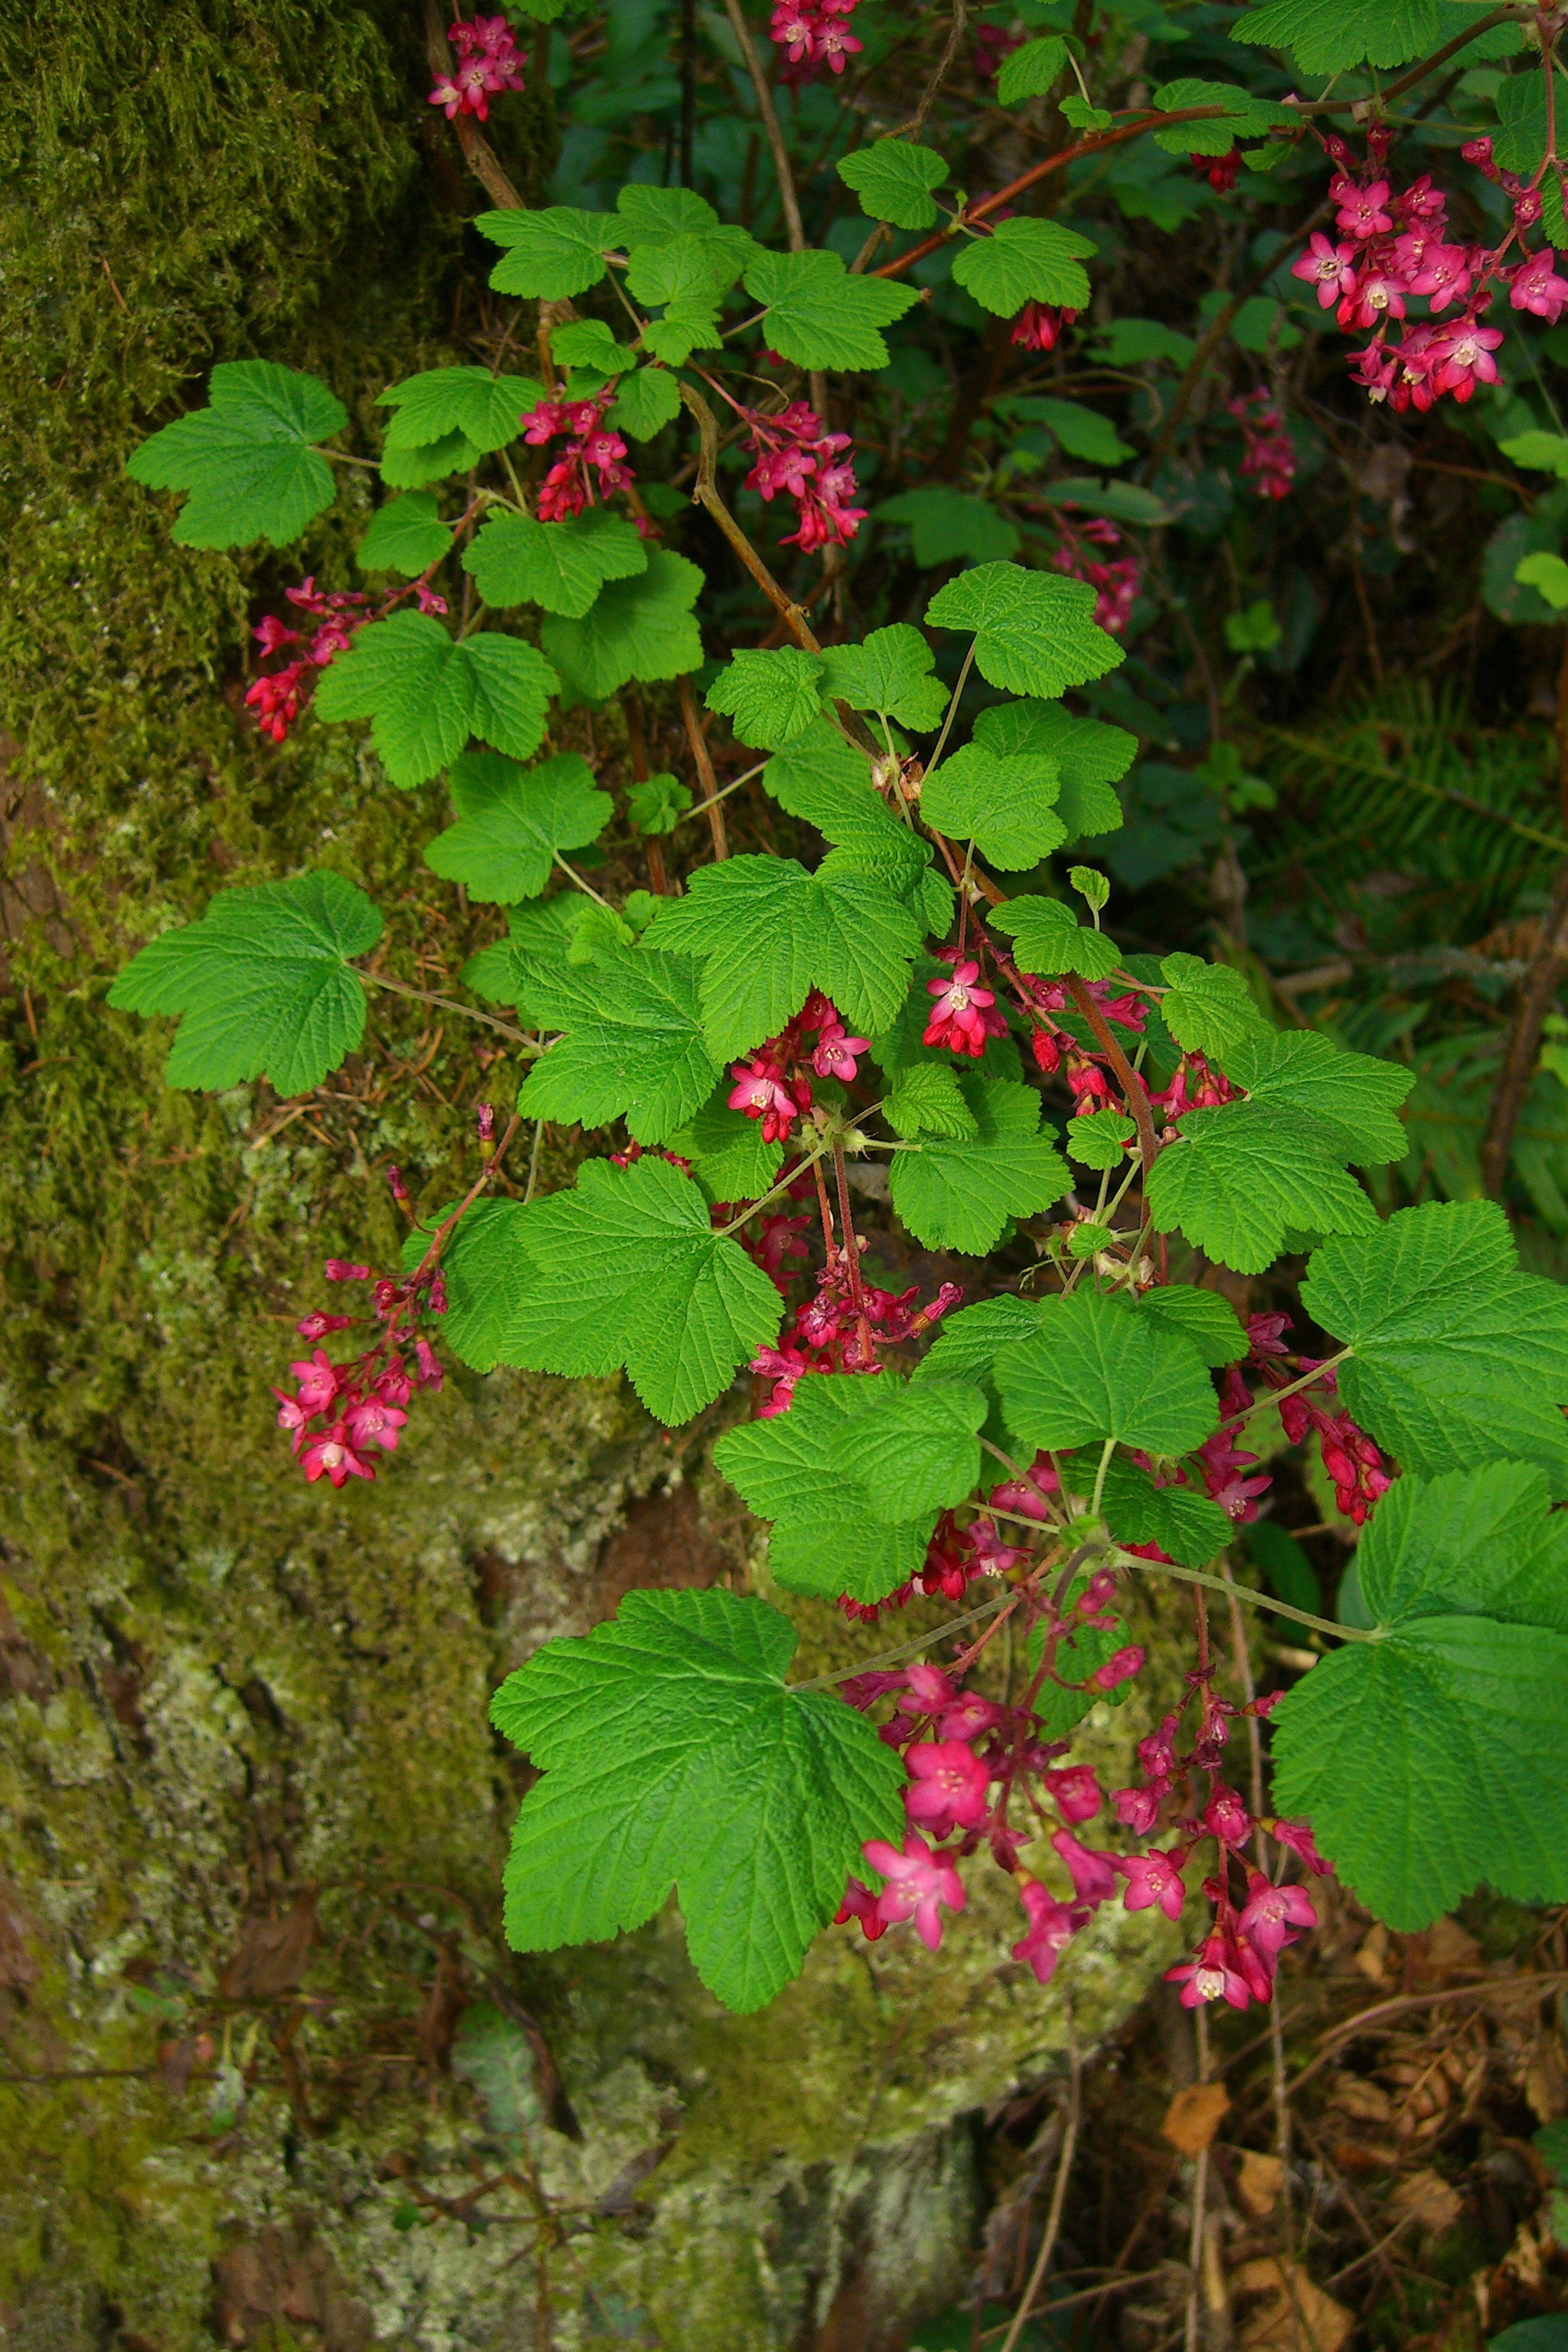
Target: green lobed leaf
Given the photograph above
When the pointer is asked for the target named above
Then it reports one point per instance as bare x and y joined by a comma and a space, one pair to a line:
1208, 1007
1246, 116
246, 459
890, 671
946, 525
825, 779
485, 1275
769, 697
1082, 432
732, 1161
552, 253
1329, 36
1202, 1317
654, 216
1004, 804
1090, 756
826, 1538
1035, 633
960, 1194
769, 933
674, 1755
928, 1100
432, 461
1025, 260
425, 693
820, 317
1185, 1523
591, 343
626, 1268
1460, 1359
406, 535
893, 179
1100, 1139
559, 565
657, 803
1305, 1071
262, 984
647, 403
1094, 1368
632, 1045
487, 410
1032, 69
641, 628
1049, 939
916, 1449
1429, 1760
1240, 1178
513, 821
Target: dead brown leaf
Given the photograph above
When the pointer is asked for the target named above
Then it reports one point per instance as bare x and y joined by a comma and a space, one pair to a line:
1546, 2079
1371, 1955
1259, 2182
1194, 2115
1450, 1947
271, 1954
1297, 2317
1428, 2199
1369, 2102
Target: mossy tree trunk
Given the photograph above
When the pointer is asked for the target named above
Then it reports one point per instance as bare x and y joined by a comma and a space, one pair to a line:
269, 2076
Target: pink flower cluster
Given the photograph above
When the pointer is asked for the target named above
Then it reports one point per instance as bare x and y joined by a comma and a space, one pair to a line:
965, 1015
1056, 1049
813, 35
831, 1332
278, 695
1268, 455
1038, 326
592, 463
1390, 250
1116, 583
966, 1755
795, 455
487, 62
774, 1084
339, 1413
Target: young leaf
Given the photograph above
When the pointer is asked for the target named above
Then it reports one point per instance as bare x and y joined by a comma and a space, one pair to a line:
431, 461
1004, 805
1460, 1359
734, 1162
1246, 116
1092, 757
648, 401
1025, 260
1240, 1176
1429, 1760
560, 565
1207, 1008
826, 1538
590, 343
655, 216
657, 803
1049, 939
1100, 1139
1082, 432
947, 525
425, 693
626, 1268
511, 823
820, 317
246, 459
1035, 633
552, 253
633, 1044
928, 1100
961, 1193
894, 179
1031, 70
770, 933
406, 535
640, 627
890, 671
769, 697
487, 410
1201, 1315
263, 983
1306, 1071
1185, 1524
674, 1754
1095, 1368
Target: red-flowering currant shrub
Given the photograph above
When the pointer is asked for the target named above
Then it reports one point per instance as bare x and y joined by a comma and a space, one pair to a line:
896, 997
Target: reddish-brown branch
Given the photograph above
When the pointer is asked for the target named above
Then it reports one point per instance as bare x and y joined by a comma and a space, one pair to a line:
476, 152
705, 492
703, 762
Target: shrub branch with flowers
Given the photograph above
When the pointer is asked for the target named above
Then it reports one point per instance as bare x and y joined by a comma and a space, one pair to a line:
917, 1007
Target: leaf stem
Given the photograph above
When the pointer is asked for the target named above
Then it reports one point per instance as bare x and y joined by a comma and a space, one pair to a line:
450, 1004
1258, 1600
705, 492
1273, 1396
572, 874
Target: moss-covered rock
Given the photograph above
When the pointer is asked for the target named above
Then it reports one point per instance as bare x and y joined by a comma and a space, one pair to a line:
270, 2075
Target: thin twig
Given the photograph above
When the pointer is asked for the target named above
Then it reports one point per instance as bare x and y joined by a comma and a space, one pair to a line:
1059, 2199
705, 492
699, 753
917, 121
1547, 968
477, 154
794, 230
